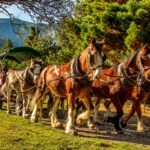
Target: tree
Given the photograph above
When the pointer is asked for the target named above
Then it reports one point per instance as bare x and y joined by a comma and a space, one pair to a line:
123, 24
49, 11
7, 45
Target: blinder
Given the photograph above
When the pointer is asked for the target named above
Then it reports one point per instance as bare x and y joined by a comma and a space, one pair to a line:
90, 57
37, 69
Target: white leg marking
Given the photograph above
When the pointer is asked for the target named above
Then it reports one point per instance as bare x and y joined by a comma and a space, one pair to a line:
70, 122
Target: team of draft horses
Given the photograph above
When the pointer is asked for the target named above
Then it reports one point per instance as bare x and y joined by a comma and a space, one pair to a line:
83, 79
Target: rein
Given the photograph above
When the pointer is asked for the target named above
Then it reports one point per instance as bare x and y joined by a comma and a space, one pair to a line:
38, 86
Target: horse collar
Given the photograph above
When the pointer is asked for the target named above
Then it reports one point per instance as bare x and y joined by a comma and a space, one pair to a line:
77, 73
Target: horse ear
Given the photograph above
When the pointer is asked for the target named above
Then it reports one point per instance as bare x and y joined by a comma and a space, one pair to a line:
145, 50
93, 41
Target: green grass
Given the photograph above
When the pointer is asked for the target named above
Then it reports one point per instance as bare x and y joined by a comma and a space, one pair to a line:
18, 133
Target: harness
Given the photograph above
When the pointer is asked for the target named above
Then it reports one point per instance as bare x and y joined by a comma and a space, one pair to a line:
77, 74
136, 78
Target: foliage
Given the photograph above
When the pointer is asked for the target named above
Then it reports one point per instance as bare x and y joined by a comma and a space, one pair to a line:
7, 45
124, 25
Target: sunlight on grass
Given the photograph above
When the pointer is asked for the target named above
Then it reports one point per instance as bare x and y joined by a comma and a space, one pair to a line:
19, 133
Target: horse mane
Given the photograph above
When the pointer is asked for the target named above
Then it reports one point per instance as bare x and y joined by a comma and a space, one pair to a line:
129, 60
28, 75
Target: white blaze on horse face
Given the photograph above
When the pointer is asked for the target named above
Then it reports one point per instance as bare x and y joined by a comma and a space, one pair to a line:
98, 61
35, 79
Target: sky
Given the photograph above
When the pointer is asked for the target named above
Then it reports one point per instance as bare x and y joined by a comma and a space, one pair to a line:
17, 13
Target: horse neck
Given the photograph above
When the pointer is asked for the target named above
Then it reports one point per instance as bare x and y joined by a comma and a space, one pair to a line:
134, 66
110, 72
28, 73
132, 62
66, 67
83, 62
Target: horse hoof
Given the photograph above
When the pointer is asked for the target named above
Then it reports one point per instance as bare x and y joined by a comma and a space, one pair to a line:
58, 125
143, 129
8, 112
81, 122
34, 120
18, 113
118, 132
91, 125
123, 124
72, 132
26, 116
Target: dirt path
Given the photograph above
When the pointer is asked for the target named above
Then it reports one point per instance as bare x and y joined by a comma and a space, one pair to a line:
105, 130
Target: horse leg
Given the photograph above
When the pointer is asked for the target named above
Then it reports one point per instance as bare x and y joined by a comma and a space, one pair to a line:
119, 113
126, 118
35, 103
18, 109
1, 104
28, 102
96, 118
85, 116
54, 121
41, 108
71, 114
49, 104
79, 105
140, 125
24, 105
8, 101
26, 113
107, 107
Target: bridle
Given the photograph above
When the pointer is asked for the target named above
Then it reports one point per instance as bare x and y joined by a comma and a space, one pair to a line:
89, 56
37, 69
76, 72
142, 81
138, 78
89, 62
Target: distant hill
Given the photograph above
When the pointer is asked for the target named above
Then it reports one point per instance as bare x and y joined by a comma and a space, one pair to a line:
6, 30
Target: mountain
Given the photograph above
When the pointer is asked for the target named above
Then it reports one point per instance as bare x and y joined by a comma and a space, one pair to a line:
7, 30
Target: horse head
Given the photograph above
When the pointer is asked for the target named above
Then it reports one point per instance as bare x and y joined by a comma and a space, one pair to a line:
143, 63
95, 58
36, 67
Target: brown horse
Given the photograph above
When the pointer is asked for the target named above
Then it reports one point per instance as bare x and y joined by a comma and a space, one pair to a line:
24, 84
134, 83
73, 81
108, 87
137, 95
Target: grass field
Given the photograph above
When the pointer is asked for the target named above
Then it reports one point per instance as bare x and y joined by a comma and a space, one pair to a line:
18, 133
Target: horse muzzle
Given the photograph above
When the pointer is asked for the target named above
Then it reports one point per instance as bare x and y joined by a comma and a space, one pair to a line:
35, 79
98, 73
